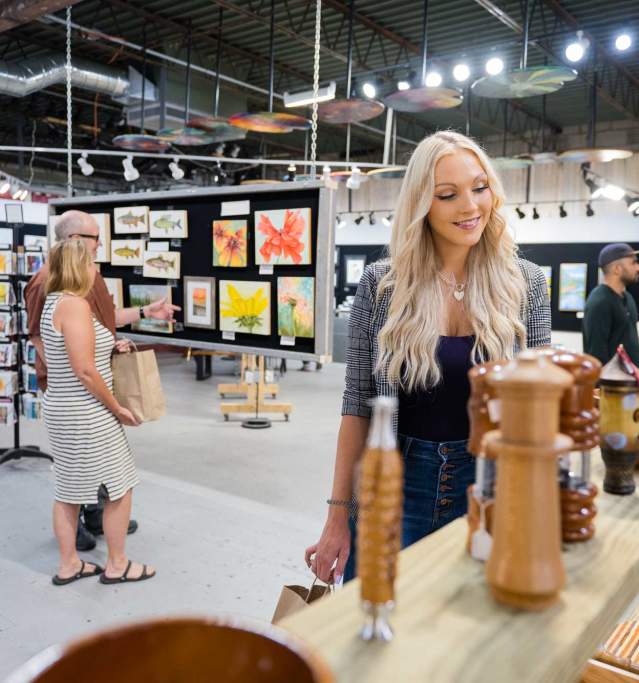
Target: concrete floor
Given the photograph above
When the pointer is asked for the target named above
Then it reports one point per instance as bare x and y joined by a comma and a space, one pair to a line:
225, 514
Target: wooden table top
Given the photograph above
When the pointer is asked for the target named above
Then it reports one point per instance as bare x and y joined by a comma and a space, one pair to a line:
448, 627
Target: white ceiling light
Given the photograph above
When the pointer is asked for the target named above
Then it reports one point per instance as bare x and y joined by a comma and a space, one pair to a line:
403, 85
176, 171
341, 223
634, 206
494, 66
623, 42
354, 182
302, 99
461, 72
576, 50
369, 90
23, 195
16, 194
5, 188
433, 79
387, 220
609, 191
131, 173
86, 168
326, 172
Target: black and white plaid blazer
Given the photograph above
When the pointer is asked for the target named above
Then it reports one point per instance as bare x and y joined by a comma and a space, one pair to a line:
368, 316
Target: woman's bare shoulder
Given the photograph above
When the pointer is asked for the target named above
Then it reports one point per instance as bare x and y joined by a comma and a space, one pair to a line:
73, 305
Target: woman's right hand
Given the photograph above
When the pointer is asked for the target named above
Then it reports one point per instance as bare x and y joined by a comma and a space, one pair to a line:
126, 417
327, 558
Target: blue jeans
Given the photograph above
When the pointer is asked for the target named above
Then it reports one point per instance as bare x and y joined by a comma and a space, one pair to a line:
436, 477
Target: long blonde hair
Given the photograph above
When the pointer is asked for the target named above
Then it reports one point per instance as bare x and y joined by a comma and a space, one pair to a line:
70, 268
494, 294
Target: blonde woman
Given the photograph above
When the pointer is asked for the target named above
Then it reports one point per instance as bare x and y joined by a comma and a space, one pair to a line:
84, 420
453, 293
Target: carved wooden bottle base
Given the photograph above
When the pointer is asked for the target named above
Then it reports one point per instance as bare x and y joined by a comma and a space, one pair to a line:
620, 466
474, 515
577, 512
532, 603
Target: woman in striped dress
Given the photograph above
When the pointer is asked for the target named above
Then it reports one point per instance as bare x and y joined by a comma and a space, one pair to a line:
84, 420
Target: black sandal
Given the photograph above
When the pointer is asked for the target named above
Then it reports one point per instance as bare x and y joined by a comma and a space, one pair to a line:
125, 577
57, 581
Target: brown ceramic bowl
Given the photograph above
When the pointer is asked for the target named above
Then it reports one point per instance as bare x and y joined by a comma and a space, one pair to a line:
180, 651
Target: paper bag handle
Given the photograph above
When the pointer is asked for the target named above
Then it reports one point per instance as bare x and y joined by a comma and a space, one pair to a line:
331, 588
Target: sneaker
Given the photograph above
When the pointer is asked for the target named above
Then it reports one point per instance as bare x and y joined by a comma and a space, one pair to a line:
84, 539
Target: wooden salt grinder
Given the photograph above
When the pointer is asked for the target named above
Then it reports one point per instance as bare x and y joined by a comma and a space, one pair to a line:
525, 568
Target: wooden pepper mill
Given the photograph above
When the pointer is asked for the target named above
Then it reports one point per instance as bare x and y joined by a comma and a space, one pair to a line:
618, 427
379, 521
483, 411
525, 568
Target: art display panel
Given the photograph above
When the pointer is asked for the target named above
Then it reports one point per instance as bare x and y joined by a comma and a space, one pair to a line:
230, 244
199, 302
130, 219
245, 306
572, 286
169, 224
283, 237
104, 246
127, 252
162, 264
296, 306
114, 285
144, 294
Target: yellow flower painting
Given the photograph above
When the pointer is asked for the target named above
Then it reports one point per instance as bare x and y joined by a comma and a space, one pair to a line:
245, 306
229, 243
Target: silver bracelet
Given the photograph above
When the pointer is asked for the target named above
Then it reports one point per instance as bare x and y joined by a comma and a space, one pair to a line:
341, 503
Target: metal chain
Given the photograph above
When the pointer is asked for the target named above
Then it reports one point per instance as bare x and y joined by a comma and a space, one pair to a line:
69, 109
316, 65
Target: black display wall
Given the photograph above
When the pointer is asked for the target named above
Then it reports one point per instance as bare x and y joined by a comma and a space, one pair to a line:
554, 255
372, 252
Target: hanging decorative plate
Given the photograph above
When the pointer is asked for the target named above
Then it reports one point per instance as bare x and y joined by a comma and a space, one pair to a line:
185, 136
539, 157
594, 154
141, 143
218, 128
388, 172
349, 111
511, 162
424, 99
535, 80
269, 122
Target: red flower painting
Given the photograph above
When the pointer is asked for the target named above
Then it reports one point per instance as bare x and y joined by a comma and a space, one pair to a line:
284, 236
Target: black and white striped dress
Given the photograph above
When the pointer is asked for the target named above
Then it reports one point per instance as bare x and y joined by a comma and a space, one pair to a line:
88, 443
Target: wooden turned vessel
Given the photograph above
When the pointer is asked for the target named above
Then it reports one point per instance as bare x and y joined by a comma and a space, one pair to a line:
180, 651
525, 569
619, 428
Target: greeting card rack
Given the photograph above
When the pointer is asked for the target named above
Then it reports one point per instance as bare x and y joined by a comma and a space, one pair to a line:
17, 334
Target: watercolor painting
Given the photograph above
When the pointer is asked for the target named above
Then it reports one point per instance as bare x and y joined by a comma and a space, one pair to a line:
36, 243
245, 306
296, 306
283, 237
229, 243
130, 219
7, 262
547, 271
104, 247
169, 224
33, 261
7, 297
572, 286
164, 264
127, 252
199, 302
354, 269
114, 285
142, 295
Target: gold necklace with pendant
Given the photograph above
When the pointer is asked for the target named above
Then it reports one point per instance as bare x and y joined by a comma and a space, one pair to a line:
458, 287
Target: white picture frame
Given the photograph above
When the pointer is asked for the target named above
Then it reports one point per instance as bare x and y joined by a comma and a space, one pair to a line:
162, 264
199, 302
104, 246
354, 269
169, 224
130, 220
127, 252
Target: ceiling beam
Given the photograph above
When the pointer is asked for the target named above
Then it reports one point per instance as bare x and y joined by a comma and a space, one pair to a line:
16, 12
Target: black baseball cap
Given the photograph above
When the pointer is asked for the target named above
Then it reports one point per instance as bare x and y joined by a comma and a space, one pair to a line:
612, 252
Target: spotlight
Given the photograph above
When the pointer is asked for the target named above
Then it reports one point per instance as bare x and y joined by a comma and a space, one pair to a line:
291, 172
235, 150
219, 149
84, 165
326, 173
562, 211
613, 192
589, 211
5, 188
576, 50
403, 85
369, 90
461, 72
591, 185
355, 179
387, 220
433, 79
176, 171
494, 66
16, 194
131, 173
341, 223
359, 219
520, 213
623, 42
535, 214
371, 218
633, 202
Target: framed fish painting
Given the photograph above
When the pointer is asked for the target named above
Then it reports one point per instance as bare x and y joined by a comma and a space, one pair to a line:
130, 219
104, 246
169, 224
127, 252
164, 264
245, 306
229, 243
296, 306
283, 237
114, 285
199, 302
142, 295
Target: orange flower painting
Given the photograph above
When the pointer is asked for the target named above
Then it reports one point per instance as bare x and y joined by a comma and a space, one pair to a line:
229, 244
283, 237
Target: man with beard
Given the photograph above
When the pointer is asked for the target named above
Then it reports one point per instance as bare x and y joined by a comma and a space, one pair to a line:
610, 317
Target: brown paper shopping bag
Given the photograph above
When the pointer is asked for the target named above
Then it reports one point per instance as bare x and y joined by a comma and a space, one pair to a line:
137, 386
294, 598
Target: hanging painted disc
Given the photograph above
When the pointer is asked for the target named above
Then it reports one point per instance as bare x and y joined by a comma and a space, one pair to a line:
217, 127
349, 111
594, 154
185, 136
535, 80
389, 172
511, 162
540, 157
424, 99
141, 143
269, 122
